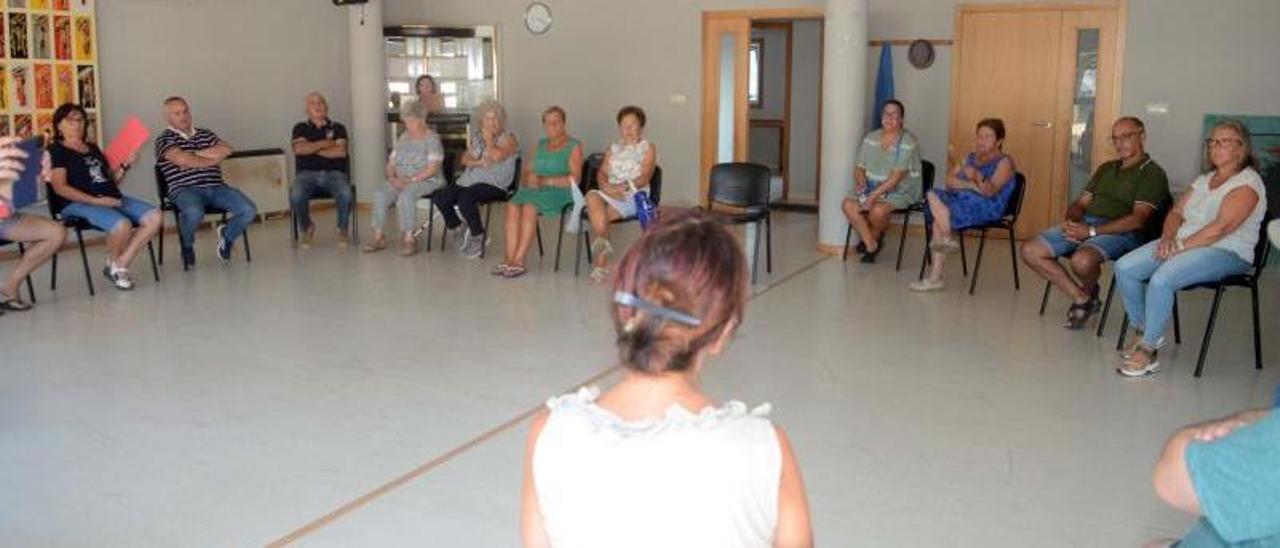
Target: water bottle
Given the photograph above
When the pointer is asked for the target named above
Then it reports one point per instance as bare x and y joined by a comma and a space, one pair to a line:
645, 211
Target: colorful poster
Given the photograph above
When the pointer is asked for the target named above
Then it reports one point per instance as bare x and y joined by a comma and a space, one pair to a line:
4, 125
44, 85
39, 5
18, 42
88, 86
4, 88
21, 78
62, 37
40, 41
22, 125
4, 40
64, 85
84, 38
44, 125
62, 5
91, 128
82, 6
18, 4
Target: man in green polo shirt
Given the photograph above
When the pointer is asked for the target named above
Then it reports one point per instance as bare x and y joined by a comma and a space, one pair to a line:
1115, 214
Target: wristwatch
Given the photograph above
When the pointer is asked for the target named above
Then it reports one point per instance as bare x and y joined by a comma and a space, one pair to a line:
1093, 232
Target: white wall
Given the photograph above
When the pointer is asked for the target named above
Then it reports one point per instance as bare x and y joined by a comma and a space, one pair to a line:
244, 65
806, 96
1200, 57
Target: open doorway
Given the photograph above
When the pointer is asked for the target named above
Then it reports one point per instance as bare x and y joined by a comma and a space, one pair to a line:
761, 97
784, 91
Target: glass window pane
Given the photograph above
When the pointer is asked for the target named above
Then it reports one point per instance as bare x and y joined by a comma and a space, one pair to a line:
1082, 110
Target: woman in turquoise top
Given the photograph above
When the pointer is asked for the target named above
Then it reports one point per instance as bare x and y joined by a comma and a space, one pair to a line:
976, 193
544, 189
886, 177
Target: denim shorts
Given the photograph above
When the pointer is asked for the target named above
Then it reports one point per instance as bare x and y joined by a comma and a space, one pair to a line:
107, 218
1112, 246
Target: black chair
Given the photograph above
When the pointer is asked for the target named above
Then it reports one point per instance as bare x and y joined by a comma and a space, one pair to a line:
322, 194
79, 225
1261, 252
926, 184
22, 250
1011, 212
584, 234
745, 186
162, 190
488, 211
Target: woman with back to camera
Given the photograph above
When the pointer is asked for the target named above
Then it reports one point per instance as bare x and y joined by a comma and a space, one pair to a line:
654, 461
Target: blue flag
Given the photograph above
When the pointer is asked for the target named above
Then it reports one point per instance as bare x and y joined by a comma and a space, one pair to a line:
884, 83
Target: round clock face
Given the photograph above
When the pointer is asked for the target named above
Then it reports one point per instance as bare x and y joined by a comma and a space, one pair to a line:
920, 54
537, 18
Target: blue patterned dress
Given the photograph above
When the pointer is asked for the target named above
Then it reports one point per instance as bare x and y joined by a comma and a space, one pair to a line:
970, 208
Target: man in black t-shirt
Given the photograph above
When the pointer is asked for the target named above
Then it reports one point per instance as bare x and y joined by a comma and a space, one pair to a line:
320, 150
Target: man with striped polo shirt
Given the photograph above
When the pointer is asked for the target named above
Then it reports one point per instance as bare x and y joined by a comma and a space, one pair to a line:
188, 159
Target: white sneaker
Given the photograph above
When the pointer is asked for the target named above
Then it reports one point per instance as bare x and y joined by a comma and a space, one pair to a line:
927, 285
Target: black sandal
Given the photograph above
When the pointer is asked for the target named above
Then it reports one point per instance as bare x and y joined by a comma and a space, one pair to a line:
1079, 314
13, 304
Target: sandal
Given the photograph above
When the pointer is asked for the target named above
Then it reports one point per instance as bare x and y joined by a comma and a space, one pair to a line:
408, 248
602, 246
1079, 314
13, 304
500, 270
513, 271
375, 246
1133, 368
946, 245
598, 275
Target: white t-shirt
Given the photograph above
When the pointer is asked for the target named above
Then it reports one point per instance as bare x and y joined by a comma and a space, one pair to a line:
1203, 205
701, 480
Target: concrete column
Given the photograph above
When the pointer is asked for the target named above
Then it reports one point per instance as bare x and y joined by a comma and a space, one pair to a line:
368, 149
844, 99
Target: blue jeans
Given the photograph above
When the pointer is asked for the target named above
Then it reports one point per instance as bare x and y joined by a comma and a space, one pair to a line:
192, 202
107, 219
1150, 309
1112, 246
311, 182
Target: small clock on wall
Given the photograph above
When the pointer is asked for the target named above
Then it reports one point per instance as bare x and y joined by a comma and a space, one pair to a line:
537, 18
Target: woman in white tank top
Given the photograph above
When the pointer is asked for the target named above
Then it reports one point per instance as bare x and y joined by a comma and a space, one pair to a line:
653, 461
1209, 234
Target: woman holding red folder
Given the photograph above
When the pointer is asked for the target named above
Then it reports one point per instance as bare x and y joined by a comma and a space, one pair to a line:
86, 187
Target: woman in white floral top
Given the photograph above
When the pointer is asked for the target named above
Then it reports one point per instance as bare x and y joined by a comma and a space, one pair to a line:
627, 167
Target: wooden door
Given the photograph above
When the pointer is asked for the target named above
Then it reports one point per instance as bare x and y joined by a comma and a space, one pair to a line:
1008, 69
725, 41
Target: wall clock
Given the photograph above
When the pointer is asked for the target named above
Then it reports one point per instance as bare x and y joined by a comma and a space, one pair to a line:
537, 18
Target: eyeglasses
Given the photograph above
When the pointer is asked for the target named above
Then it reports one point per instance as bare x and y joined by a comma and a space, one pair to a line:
1223, 143
1116, 139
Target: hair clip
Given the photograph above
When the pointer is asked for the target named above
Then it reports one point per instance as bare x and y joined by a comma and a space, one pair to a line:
627, 299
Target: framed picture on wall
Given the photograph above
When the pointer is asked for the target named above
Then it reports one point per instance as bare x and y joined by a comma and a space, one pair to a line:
48, 56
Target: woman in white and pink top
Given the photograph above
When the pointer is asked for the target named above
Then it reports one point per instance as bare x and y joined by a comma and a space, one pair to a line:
627, 167
653, 461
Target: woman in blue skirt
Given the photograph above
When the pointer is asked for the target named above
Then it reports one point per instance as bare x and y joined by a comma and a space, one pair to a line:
976, 193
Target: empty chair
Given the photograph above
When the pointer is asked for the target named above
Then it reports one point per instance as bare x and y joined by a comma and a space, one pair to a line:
744, 187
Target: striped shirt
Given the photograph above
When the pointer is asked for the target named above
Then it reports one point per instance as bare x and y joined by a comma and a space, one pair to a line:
178, 177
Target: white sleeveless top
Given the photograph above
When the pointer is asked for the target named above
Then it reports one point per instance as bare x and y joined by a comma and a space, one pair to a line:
1203, 205
626, 162
708, 479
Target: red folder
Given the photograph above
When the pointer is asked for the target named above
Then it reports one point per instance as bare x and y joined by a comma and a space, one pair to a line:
130, 138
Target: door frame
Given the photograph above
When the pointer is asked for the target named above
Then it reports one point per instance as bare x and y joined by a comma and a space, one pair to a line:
1060, 179
711, 77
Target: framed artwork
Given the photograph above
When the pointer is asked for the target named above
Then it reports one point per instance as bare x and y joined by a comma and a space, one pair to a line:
48, 57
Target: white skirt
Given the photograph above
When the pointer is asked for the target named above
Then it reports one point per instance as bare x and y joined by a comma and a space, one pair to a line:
626, 207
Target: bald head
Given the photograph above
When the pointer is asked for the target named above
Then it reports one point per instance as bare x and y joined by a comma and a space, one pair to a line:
317, 107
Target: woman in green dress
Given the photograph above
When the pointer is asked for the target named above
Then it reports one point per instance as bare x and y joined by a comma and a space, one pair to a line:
544, 190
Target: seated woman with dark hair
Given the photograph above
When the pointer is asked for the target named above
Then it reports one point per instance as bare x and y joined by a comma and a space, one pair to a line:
976, 193
86, 187
41, 235
654, 461
627, 167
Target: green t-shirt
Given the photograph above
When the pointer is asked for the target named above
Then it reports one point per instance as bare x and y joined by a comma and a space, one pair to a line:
880, 163
1116, 189
1237, 481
